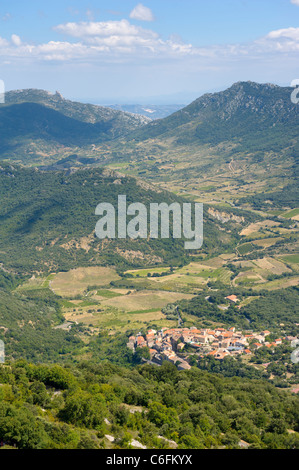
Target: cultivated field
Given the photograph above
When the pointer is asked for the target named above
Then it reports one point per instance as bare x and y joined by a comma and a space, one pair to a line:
76, 281
144, 301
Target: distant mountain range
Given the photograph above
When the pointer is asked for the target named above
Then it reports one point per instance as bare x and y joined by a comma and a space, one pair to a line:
89, 113
152, 111
37, 123
248, 132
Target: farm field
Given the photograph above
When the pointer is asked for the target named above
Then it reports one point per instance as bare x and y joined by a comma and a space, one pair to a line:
278, 284
293, 259
76, 281
193, 276
144, 301
88, 298
115, 320
293, 214
125, 311
255, 227
272, 265
258, 271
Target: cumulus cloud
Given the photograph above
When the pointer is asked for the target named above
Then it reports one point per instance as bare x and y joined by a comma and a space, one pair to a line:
295, 2
90, 29
142, 13
287, 33
284, 40
121, 41
16, 40
113, 34
3, 42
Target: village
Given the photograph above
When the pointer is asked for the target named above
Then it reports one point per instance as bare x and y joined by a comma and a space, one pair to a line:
171, 344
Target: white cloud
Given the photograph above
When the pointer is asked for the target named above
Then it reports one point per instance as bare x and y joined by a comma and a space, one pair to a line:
91, 29
287, 33
295, 2
16, 40
281, 40
142, 13
112, 34
123, 42
3, 42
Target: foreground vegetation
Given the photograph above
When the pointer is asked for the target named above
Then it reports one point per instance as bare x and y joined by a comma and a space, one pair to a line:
76, 407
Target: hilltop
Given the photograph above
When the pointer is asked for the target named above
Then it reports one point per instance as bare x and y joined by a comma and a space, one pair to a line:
228, 146
36, 125
223, 147
80, 111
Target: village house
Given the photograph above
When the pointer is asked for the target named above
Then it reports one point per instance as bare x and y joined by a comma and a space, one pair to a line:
233, 298
168, 343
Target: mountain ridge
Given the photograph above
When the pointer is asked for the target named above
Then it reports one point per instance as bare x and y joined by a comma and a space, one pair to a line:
228, 102
84, 111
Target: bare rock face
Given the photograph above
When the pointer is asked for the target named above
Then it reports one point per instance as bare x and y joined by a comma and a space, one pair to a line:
224, 217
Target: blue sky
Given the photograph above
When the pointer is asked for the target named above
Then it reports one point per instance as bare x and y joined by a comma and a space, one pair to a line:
155, 51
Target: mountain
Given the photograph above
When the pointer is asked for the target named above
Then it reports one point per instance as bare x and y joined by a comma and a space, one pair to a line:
152, 111
36, 124
247, 135
229, 146
90, 113
48, 221
239, 111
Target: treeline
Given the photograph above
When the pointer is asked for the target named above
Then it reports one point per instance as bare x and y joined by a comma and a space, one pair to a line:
27, 324
267, 309
287, 197
46, 214
44, 406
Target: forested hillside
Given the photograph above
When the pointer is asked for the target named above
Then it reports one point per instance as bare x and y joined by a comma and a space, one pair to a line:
78, 406
48, 221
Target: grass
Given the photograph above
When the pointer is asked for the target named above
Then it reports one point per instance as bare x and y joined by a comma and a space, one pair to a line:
290, 214
291, 258
144, 301
278, 284
76, 281
108, 294
265, 242
145, 272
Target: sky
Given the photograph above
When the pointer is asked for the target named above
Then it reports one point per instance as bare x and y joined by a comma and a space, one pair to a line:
154, 52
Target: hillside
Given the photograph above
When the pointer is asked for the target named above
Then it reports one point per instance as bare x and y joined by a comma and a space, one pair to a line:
237, 146
98, 406
239, 111
80, 111
35, 124
48, 221
222, 147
